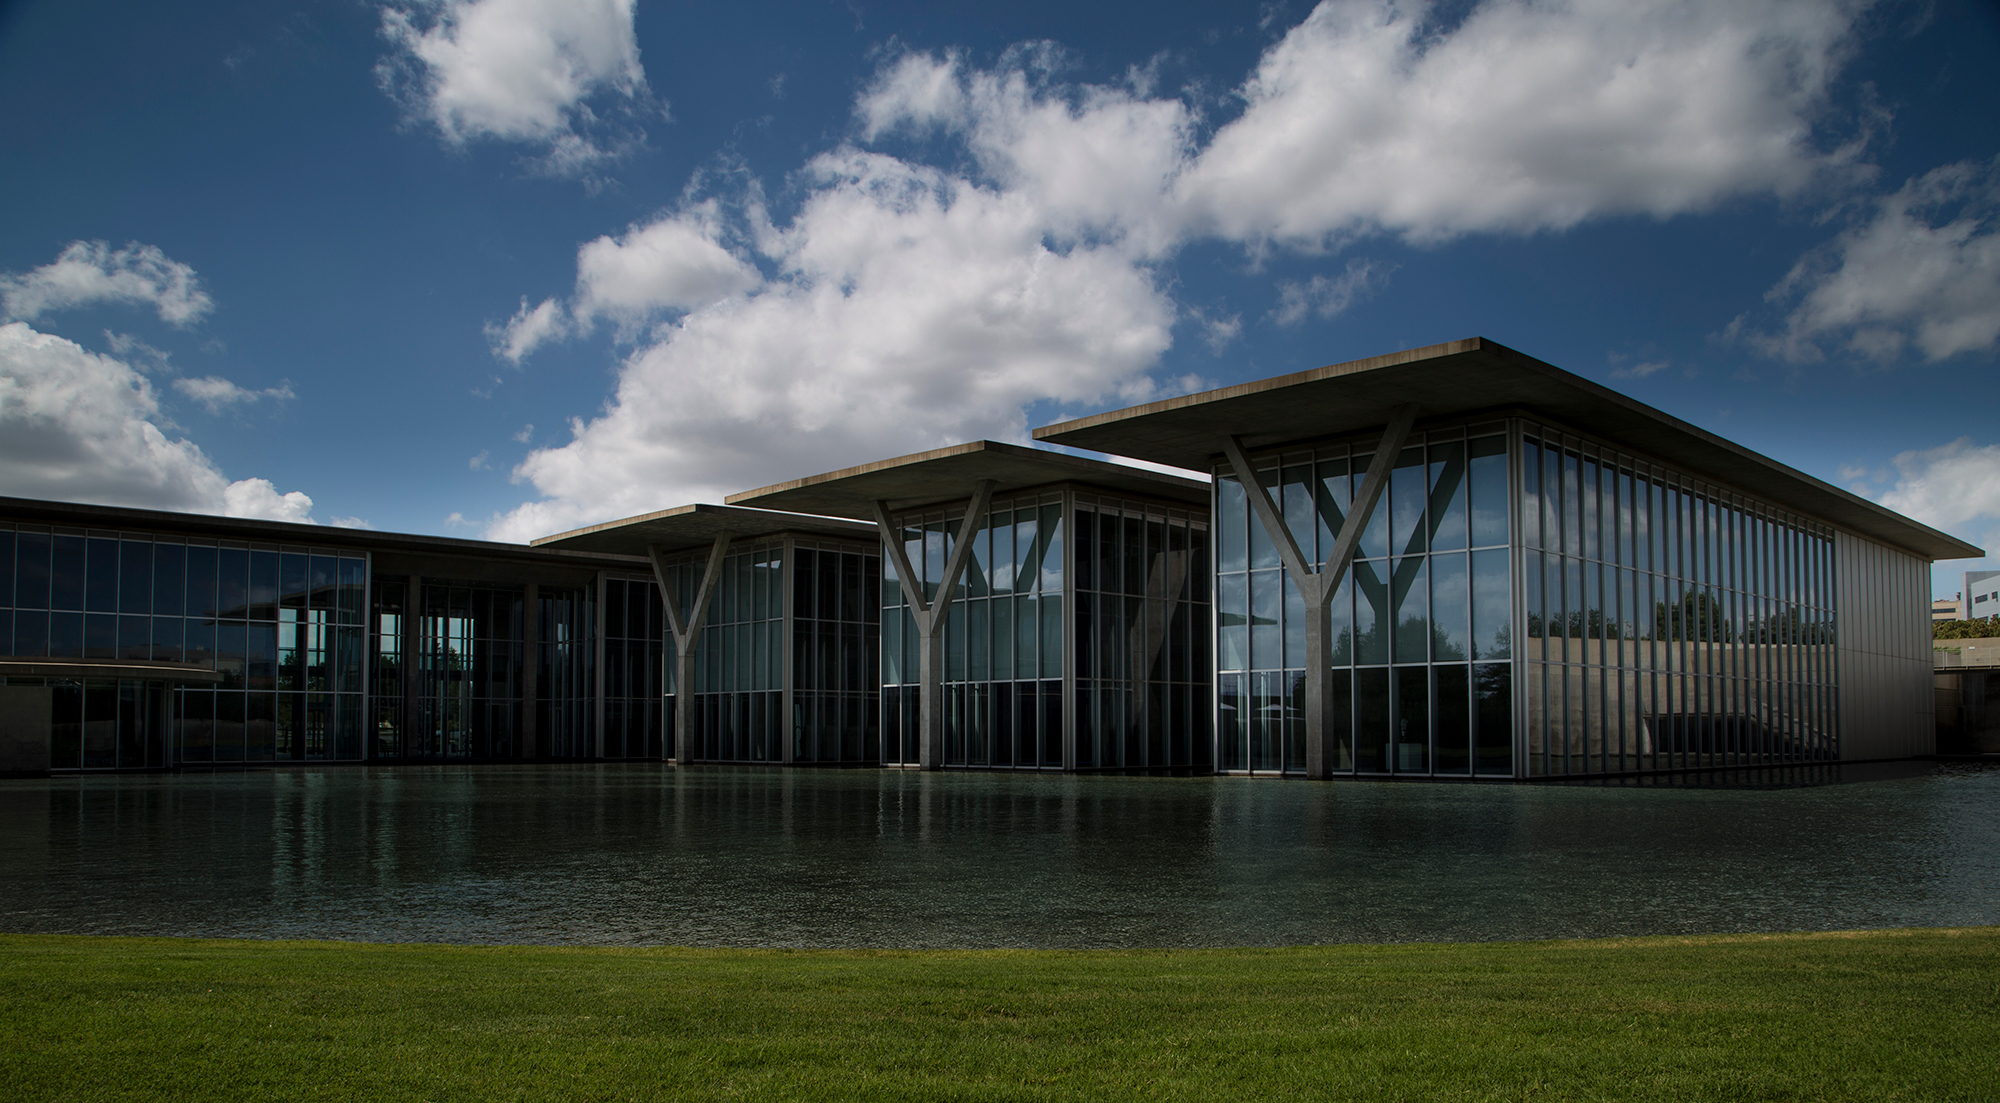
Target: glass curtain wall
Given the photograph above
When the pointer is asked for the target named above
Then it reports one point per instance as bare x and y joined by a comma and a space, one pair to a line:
467, 672
1003, 676
1671, 624
283, 625
566, 671
836, 648
385, 698
636, 720
1141, 631
1422, 625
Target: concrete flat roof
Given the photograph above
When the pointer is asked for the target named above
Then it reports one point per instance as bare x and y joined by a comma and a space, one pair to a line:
697, 526
14, 666
83, 516
948, 475
1463, 378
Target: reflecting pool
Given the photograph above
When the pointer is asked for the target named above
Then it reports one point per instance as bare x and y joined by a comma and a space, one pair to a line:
644, 854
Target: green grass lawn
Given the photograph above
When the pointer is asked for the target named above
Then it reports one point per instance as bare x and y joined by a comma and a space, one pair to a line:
1878, 1015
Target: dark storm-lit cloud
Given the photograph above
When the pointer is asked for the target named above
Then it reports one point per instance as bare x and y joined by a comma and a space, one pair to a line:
908, 305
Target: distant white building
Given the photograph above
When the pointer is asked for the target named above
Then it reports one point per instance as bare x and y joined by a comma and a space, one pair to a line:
1980, 597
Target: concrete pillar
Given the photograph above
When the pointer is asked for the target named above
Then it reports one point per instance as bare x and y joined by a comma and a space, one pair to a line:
930, 617
687, 636
1317, 588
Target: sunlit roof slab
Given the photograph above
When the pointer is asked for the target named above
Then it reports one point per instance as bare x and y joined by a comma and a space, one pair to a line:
1467, 378
948, 474
697, 526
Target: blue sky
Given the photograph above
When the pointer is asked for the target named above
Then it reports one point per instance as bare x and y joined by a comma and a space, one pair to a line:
505, 267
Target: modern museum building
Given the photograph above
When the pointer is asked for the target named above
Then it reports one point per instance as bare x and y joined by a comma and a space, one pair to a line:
1449, 562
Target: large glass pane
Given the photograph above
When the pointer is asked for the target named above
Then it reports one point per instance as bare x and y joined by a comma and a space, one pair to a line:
101, 575
1340, 621
1492, 604
233, 584
1372, 623
1413, 719
1266, 596
135, 576
1297, 503
1331, 498
1413, 624
1001, 528
1488, 482
1454, 719
1371, 719
1052, 559
1494, 718
1448, 495
66, 573
1409, 488
1451, 632
31, 570
1374, 537
1232, 617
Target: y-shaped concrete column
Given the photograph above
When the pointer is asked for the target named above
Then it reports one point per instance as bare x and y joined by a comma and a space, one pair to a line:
687, 634
1317, 587
930, 618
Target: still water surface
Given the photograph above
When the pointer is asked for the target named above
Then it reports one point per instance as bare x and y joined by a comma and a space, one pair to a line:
644, 854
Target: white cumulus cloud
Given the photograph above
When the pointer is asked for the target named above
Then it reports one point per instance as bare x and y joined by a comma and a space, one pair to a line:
1923, 270
515, 70
89, 272
78, 426
1527, 115
906, 306
217, 393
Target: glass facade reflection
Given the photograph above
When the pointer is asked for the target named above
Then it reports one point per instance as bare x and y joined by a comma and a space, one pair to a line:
786, 667
283, 625
637, 720
1670, 623
1422, 625
1068, 596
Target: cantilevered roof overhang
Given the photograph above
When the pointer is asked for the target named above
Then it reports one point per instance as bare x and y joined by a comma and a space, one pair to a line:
945, 475
1464, 378
696, 526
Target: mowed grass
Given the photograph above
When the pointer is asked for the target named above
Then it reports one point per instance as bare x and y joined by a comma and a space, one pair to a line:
1889, 1015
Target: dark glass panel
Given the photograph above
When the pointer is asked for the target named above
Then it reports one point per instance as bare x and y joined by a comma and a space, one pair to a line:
320, 581
1266, 598
1494, 718
614, 608
100, 723
1232, 618
201, 595
1488, 479
100, 575
66, 573
232, 595
261, 657
65, 724
229, 721
200, 642
1413, 720
1454, 719
260, 726
293, 585
135, 576
7, 569
1587, 503
167, 639
1340, 623
263, 585
66, 635
1263, 553
231, 654
1531, 492
134, 724
1371, 719
169, 579
1340, 717
31, 633
1052, 558
135, 639
100, 636
31, 570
